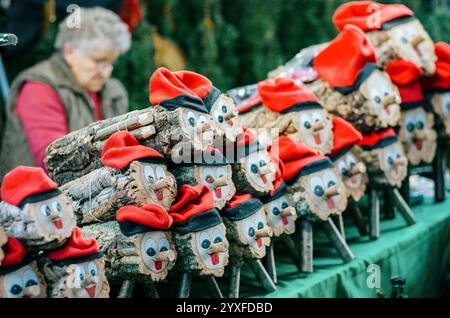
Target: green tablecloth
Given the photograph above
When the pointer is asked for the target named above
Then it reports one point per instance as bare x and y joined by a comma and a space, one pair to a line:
416, 253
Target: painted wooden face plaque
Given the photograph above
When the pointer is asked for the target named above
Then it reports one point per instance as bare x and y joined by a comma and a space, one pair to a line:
32, 199
225, 118
280, 212
353, 173
441, 106
19, 274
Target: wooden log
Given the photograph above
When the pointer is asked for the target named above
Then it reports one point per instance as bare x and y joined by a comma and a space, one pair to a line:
78, 153
262, 275
388, 206
141, 257
307, 245
389, 47
150, 289
185, 285
439, 176
235, 281
374, 212
218, 178
213, 289
28, 278
225, 118
76, 280
270, 263
126, 289
98, 195
357, 217
195, 259
338, 241
293, 250
42, 225
339, 223
403, 207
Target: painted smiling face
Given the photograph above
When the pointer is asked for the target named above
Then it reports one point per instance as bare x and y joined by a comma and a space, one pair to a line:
25, 282
418, 136
383, 98
157, 252
353, 174
254, 233
54, 216
315, 130
211, 248
441, 105
260, 170
198, 126
218, 180
393, 163
281, 216
225, 118
324, 193
158, 183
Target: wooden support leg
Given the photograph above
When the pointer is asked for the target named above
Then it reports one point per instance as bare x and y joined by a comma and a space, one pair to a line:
293, 251
339, 223
374, 219
405, 189
338, 241
307, 246
185, 285
403, 208
235, 280
357, 217
126, 290
270, 262
212, 287
388, 206
150, 289
438, 176
262, 275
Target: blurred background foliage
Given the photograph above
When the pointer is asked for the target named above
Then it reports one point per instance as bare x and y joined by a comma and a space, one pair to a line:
233, 42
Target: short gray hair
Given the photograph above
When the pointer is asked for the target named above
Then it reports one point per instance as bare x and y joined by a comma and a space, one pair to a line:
96, 27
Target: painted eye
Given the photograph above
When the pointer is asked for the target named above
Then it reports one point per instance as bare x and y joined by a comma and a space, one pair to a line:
92, 268
251, 231
317, 116
404, 39
13, 285
160, 173
206, 244
420, 125
209, 179
318, 191
149, 174
163, 245
331, 183
410, 127
218, 236
45, 210
56, 206
202, 119
351, 160
220, 119
377, 99
260, 225
254, 168
262, 163
221, 172
218, 240
150, 247
307, 125
317, 186
30, 278
390, 160
191, 119
224, 109
386, 94
204, 240
305, 121
330, 178
150, 251
81, 273
276, 211
284, 205
342, 167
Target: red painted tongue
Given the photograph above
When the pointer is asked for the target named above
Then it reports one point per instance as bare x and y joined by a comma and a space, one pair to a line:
317, 139
159, 195
387, 110
230, 122
259, 242
214, 258
158, 265
353, 180
218, 192
264, 179
419, 144
330, 203
91, 291
396, 169
58, 223
284, 220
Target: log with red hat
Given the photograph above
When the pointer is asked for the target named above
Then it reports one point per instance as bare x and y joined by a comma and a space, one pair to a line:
417, 132
76, 269
393, 31
132, 174
211, 168
138, 246
34, 209
19, 273
352, 85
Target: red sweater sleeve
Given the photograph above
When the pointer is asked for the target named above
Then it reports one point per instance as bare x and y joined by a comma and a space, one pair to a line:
43, 117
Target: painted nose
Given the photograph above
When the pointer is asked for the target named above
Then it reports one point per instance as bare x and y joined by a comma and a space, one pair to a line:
400, 161
331, 192
289, 211
265, 170
165, 256
221, 247
417, 40
222, 181
89, 281
318, 126
160, 184
388, 101
419, 134
202, 127
230, 116
264, 232
357, 169
32, 291
54, 215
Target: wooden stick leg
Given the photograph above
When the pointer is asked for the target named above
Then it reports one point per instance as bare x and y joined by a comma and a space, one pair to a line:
126, 290
270, 262
374, 223
235, 280
338, 241
262, 275
388, 206
357, 217
212, 287
438, 176
405, 189
150, 289
307, 246
403, 208
339, 222
185, 285
293, 251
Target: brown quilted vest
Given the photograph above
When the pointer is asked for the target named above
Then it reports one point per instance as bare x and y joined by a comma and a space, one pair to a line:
54, 71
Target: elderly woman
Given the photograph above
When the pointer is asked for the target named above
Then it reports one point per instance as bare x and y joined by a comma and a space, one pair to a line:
69, 90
